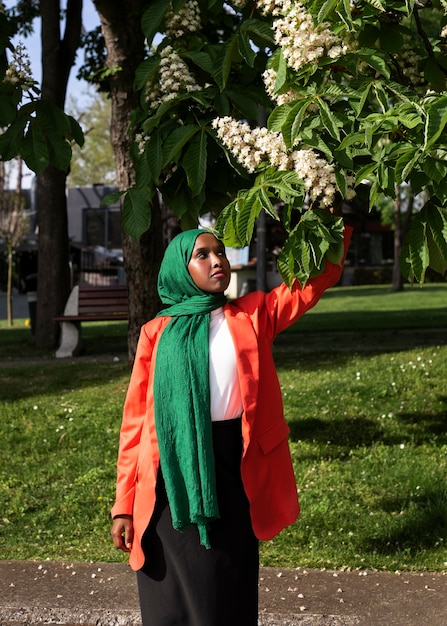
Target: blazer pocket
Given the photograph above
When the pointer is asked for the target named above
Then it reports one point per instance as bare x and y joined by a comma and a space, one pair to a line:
272, 437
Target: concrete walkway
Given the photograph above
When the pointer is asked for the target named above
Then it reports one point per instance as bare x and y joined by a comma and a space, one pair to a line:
104, 594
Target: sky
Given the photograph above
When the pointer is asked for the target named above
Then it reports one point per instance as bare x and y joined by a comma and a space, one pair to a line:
76, 89
90, 20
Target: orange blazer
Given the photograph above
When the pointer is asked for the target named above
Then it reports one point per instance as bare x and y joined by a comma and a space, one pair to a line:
254, 321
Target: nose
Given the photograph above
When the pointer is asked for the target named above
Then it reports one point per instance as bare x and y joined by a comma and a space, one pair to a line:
216, 260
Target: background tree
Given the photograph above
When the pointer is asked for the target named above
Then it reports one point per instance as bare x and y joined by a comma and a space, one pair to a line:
94, 162
125, 45
37, 128
14, 226
53, 276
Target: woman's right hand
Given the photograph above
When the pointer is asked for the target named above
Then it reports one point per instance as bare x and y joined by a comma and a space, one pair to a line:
122, 532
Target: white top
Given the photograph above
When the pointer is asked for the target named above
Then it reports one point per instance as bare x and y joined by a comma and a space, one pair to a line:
226, 399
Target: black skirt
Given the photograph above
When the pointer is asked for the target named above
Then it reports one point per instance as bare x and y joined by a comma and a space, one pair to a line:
182, 583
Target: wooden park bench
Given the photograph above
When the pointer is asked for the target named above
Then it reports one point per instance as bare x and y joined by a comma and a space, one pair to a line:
89, 304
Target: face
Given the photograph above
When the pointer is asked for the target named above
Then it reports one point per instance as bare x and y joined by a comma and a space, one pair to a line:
209, 267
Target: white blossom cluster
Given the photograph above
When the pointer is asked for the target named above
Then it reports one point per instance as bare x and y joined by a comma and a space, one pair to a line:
141, 140
19, 69
443, 33
300, 39
410, 59
238, 5
269, 77
318, 176
251, 147
174, 78
185, 20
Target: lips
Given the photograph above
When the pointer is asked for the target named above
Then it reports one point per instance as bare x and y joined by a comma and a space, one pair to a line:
219, 274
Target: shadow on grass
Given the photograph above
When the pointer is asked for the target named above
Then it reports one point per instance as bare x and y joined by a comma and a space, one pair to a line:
98, 338
426, 427
419, 523
27, 381
346, 434
372, 320
290, 344
350, 433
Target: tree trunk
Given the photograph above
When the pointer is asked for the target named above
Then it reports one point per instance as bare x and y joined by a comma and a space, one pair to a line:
9, 313
398, 283
121, 28
401, 226
53, 277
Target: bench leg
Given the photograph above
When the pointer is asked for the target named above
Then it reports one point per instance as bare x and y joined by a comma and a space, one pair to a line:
70, 343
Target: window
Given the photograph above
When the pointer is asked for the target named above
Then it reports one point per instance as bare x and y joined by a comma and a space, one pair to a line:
102, 227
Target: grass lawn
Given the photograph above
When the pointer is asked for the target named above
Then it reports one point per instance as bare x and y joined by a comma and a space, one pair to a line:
363, 380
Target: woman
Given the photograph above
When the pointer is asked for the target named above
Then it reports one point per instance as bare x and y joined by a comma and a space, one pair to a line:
204, 467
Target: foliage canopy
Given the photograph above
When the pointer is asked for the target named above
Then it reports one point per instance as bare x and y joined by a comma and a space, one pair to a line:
352, 100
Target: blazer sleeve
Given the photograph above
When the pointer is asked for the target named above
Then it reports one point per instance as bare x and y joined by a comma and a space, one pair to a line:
134, 414
284, 306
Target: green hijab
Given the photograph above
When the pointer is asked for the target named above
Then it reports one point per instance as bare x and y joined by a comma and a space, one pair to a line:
182, 390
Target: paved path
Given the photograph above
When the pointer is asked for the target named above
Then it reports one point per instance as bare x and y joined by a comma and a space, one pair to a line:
104, 594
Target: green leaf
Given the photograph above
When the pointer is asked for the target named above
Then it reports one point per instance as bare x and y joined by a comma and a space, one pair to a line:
194, 163
245, 48
405, 163
367, 172
364, 94
176, 140
329, 120
266, 203
225, 227
11, 140
201, 59
278, 118
111, 198
249, 209
223, 61
136, 212
372, 58
415, 249
434, 74
376, 4
152, 18
10, 97
76, 131
294, 258
259, 31
436, 121
344, 11
286, 264
154, 155
245, 102
435, 169
340, 177
436, 237
146, 71
281, 72
35, 149
292, 127
327, 8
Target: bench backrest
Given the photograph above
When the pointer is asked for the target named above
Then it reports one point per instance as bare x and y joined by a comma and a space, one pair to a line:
94, 300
